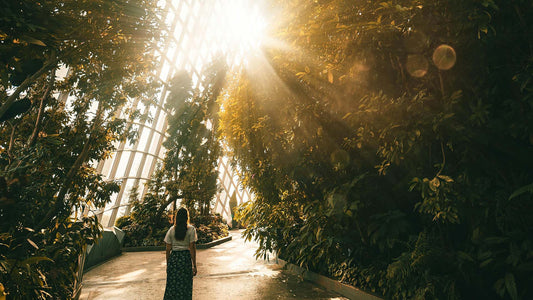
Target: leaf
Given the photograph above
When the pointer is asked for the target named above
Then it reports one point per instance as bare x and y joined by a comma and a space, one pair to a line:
34, 41
522, 190
485, 263
434, 184
445, 178
300, 75
447, 116
456, 95
330, 77
36, 259
510, 285
464, 256
475, 234
32, 243
414, 184
318, 233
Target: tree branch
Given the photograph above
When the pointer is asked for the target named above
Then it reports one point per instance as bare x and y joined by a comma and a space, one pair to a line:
50, 63
167, 203
11, 140
443, 158
82, 157
33, 137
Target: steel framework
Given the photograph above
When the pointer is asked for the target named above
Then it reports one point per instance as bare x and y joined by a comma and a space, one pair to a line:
188, 46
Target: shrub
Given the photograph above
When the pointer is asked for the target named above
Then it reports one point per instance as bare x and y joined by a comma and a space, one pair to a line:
210, 228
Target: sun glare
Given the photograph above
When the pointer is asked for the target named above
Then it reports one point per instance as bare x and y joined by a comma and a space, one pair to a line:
239, 26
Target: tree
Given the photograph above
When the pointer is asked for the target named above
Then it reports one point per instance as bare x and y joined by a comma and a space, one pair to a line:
192, 145
384, 147
146, 226
47, 151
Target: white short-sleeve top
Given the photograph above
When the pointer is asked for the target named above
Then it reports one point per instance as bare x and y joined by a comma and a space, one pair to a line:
190, 237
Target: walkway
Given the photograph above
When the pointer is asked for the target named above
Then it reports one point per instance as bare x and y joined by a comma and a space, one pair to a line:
227, 271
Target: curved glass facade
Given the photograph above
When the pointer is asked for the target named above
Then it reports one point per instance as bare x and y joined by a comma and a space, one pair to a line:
193, 39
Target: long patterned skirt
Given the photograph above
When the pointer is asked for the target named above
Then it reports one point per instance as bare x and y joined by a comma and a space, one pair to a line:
179, 276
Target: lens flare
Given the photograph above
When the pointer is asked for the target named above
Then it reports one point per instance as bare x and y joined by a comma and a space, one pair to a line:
444, 57
416, 65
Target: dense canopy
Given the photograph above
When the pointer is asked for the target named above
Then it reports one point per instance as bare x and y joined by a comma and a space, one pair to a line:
389, 145
68, 71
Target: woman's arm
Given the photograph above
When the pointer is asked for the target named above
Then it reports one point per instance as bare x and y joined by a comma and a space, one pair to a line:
169, 248
192, 248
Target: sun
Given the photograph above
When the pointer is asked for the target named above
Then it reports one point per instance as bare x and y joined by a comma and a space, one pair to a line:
204, 31
239, 26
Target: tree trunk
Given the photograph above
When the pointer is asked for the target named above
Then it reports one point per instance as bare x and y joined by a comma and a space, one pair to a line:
167, 203
50, 63
35, 132
82, 157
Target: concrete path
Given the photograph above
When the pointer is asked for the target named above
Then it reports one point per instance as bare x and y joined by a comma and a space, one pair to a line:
227, 271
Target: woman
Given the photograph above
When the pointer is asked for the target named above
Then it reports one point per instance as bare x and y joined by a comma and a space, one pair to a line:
181, 257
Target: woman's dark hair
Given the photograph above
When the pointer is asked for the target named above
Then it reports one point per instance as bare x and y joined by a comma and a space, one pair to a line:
180, 223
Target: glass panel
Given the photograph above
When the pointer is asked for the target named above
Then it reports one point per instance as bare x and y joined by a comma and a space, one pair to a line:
147, 165
136, 164
164, 71
107, 165
170, 17
105, 218
122, 165
143, 139
154, 143
172, 47
153, 113
161, 123
162, 152
121, 212
179, 59
127, 191
226, 181
194, 38
178, 28
184, 11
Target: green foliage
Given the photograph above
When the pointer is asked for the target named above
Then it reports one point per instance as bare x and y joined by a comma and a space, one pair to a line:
192, 145
210, 227
233, 209
48, 180
379, 160
144, 227
123, 221
189, 172
148, 222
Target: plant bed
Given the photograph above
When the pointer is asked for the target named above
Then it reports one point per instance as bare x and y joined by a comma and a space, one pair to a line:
147, 235
162, 248
330, 284
214, 243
